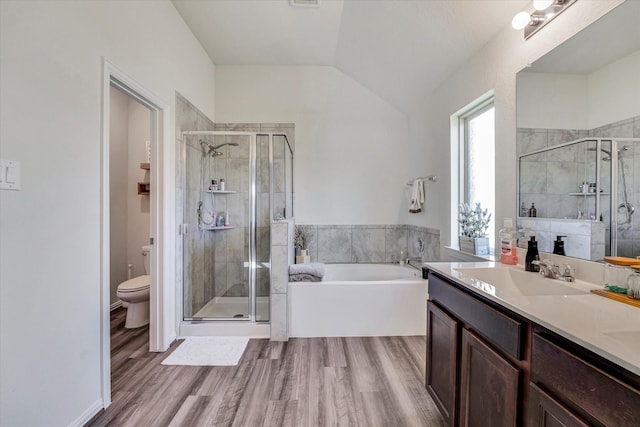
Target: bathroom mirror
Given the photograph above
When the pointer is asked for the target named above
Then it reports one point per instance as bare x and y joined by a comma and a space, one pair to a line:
578, 140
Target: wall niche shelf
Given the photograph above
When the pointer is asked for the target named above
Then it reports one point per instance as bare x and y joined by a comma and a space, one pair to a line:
222, 191
226, 227
144, 188
587, 194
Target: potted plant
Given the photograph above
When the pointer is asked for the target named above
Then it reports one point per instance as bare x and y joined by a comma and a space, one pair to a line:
299, 242
474, 223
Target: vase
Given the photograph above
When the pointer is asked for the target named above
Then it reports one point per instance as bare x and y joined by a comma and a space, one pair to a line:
474, 245
304, 257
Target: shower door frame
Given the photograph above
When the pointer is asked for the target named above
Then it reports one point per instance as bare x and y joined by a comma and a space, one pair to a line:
253, 141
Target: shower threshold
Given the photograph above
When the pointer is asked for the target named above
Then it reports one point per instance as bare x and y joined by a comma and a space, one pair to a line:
232, 307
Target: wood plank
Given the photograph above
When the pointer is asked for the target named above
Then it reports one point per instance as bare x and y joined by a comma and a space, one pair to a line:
367, 381
616, 297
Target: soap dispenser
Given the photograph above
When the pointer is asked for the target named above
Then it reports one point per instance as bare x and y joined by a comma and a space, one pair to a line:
558, 246
532, 255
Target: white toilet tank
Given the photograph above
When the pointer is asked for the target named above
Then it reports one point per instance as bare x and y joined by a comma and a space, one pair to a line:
146, 252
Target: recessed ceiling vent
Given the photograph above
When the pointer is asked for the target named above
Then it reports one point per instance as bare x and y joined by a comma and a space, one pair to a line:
305, 3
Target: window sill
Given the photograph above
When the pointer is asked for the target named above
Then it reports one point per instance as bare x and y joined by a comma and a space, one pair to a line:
456, 254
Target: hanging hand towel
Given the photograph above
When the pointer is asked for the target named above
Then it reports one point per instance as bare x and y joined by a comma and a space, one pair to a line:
417, 196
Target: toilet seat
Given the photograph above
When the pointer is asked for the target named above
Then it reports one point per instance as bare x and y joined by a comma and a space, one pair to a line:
136, 284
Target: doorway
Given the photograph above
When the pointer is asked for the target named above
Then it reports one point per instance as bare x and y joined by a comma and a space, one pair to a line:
129, 193
149, 184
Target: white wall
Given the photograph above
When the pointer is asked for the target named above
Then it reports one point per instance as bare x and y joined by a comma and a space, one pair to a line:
350, 145
50, 120
614, 91
493, 67
572, 101
552, 101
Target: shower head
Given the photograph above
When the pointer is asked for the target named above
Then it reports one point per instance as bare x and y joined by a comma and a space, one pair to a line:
213, 149
233, 144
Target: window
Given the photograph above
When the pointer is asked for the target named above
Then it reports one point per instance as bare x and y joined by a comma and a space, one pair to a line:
476, 159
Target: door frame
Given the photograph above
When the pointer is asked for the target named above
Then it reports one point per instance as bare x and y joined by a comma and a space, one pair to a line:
159, 299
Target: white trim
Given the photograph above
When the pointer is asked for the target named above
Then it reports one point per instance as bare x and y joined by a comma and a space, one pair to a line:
89, 413
159, 300
455, 254
115, 305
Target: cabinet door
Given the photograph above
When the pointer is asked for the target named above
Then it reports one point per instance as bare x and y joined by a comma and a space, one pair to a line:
442, 357
545, 411
488, 385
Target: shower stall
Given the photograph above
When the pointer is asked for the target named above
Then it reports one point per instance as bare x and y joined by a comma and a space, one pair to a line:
589, 179
235, 184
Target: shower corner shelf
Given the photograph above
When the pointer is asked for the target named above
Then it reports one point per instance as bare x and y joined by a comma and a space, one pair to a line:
222, 191
587, 194
226, 227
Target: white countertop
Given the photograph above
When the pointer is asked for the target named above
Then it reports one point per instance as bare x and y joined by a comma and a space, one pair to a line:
609, 328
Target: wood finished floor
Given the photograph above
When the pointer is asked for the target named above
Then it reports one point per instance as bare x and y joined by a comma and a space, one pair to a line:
375, 381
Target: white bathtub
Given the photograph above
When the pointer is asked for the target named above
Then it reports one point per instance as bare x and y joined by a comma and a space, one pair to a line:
359, 300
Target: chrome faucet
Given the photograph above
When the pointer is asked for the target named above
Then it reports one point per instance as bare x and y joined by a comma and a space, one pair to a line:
549, 269
408, 260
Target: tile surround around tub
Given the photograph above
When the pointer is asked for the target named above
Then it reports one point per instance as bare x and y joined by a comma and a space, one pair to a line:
334, 244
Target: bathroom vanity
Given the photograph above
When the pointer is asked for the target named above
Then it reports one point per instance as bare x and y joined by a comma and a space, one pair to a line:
507, 347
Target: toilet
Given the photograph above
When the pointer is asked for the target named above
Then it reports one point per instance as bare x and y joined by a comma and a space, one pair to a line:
135, 292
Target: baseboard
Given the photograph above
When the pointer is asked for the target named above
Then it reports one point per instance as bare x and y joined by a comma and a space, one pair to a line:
115, 305
88, 414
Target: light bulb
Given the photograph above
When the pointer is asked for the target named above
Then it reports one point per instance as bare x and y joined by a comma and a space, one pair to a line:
520, 21
542, 4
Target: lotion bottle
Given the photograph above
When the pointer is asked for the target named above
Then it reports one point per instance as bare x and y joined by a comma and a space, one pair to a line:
508, 252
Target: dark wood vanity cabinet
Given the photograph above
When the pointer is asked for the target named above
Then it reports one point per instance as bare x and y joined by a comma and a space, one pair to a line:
570, 382
471, 349
442, 351
487, 366
488, 385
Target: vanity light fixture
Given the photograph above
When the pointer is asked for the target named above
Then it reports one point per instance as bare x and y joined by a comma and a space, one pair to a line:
544, 11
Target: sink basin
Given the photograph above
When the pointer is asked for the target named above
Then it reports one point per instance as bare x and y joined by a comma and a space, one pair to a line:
508, 280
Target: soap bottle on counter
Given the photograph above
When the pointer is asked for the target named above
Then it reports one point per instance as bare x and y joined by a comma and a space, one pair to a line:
508, 251
558, 246
532, 255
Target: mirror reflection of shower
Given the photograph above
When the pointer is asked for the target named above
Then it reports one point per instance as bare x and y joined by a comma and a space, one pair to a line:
625, 209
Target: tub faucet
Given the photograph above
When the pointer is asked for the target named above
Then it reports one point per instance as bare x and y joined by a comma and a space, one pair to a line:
408, 260
552, 271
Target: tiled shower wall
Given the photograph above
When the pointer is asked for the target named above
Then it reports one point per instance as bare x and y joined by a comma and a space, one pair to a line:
547, 178
215, 260
369, 243
200, 286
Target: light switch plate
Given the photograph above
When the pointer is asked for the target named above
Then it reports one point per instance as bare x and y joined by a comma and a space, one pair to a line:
9, 174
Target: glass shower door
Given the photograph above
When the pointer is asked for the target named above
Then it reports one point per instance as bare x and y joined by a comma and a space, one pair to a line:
218, 234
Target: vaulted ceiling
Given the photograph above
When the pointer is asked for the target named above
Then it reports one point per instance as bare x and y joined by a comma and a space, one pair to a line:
399, 49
